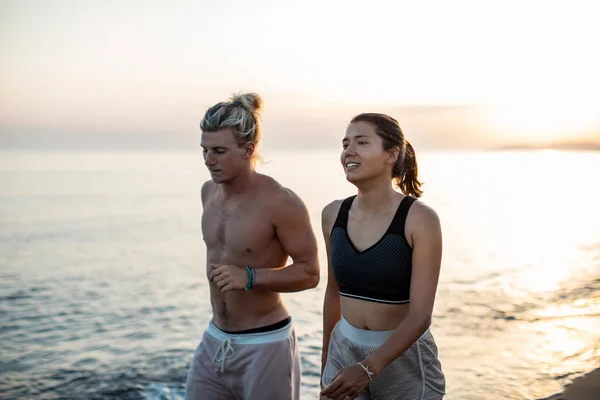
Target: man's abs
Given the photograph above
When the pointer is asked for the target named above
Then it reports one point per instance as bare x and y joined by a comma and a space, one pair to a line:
239, 231
238, 311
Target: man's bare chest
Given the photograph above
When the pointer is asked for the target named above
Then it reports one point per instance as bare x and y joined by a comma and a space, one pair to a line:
236, 227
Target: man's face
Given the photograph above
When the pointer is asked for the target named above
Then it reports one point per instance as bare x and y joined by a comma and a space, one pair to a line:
223, 156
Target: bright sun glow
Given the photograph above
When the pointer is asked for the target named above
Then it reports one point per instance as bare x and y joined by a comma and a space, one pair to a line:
543, 119
110, 65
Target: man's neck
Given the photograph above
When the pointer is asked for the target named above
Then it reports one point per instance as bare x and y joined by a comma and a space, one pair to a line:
240, 183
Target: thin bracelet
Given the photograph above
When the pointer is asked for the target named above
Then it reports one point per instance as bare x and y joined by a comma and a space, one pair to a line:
369, 373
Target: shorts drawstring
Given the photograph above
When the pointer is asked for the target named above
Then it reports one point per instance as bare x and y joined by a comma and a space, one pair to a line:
223, 353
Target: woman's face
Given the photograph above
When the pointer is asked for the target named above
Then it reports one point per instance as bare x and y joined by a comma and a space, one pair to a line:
363, 156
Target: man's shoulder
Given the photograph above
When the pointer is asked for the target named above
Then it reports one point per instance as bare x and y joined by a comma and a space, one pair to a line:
207, 188
207, 185
275, 191
266, 182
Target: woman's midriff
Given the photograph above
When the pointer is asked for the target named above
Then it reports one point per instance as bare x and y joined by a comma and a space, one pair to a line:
373, 316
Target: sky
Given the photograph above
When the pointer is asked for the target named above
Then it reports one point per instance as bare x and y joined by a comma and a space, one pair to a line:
455, 74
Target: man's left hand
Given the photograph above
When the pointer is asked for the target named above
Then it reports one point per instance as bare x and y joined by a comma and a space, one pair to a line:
347, 384
228, 277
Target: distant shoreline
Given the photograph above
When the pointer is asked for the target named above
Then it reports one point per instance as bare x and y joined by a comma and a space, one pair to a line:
578, 146
586, 387
11, 147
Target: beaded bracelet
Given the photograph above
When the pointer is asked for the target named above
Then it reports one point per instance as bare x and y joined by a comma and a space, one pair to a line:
250, 271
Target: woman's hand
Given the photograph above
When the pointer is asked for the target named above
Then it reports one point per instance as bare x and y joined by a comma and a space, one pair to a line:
347, 384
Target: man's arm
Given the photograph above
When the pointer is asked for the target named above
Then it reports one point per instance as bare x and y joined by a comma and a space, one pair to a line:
295, 233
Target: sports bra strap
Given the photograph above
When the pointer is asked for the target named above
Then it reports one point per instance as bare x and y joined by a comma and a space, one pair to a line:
398, 224
342, 218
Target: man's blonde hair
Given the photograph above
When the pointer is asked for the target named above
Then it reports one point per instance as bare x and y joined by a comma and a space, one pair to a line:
241, 113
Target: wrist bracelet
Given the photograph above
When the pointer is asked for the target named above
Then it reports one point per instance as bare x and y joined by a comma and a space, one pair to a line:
250, 272
366, 369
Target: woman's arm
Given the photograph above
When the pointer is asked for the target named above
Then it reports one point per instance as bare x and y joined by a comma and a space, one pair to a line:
426, 238
331, 304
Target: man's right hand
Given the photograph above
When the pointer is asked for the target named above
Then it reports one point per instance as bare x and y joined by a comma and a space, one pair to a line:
228, 277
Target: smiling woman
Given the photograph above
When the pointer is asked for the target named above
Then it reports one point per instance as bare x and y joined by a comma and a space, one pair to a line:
384, 253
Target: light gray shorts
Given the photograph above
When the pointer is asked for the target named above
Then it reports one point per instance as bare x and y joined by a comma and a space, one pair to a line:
415, 375
249, 366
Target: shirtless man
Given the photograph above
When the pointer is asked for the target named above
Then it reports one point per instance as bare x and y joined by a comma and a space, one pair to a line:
251, 224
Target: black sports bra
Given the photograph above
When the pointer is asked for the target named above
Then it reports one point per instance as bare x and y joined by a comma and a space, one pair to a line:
380, 273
